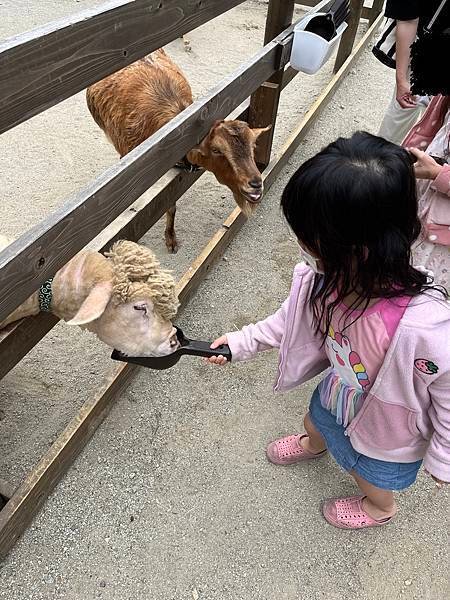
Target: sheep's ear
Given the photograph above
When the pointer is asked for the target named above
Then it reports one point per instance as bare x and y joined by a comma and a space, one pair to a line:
94, 305
259, 130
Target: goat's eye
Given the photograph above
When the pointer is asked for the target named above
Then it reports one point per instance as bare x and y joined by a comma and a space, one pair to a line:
216, 151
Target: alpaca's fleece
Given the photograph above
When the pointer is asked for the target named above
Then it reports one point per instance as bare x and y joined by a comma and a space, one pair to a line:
138, 275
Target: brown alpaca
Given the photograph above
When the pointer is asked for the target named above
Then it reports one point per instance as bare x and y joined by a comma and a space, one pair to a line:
133, 103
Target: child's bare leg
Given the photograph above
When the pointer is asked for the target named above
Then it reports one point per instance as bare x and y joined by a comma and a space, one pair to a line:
314, 442
378, 503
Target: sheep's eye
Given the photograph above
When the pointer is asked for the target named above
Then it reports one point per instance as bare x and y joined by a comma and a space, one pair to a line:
140, 307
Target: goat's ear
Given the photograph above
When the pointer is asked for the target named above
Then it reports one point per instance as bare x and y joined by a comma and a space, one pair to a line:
201, 148
260, 130
94, 305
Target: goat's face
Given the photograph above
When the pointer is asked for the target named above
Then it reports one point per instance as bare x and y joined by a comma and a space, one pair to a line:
133, 328
228, 151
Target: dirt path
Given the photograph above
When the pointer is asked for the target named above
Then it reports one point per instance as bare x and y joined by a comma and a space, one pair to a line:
173, 498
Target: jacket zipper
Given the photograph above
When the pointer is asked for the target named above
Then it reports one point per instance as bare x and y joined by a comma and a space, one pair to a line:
292, 309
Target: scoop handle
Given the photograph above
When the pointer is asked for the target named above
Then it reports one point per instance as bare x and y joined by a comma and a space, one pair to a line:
200, 348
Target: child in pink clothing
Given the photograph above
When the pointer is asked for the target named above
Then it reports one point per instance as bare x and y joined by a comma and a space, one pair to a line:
431, 137
369, 320
370, 331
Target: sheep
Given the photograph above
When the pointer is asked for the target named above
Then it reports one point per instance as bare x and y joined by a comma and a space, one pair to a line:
124, 298
133, 103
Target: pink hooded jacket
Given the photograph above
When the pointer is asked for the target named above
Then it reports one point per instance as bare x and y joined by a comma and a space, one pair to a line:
406, 415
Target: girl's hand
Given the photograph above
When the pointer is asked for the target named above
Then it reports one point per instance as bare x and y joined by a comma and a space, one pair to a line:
439, 482
218, 360
425, 167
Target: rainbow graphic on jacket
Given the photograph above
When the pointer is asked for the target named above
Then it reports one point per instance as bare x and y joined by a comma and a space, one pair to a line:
343, 390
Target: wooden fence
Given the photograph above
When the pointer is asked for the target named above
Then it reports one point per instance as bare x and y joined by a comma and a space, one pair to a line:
48, 65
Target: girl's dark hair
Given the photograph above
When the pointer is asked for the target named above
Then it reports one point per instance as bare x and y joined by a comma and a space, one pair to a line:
354, 205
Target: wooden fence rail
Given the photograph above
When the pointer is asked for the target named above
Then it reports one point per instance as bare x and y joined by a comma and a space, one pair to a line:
366, 13
44, 249
47, 65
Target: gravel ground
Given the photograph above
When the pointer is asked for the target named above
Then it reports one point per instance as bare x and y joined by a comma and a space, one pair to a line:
173, 498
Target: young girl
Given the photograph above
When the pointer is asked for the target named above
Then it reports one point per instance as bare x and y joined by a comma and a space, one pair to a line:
362, 310
432, 134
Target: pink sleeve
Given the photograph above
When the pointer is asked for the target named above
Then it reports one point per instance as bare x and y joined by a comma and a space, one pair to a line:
442, 182
437, 458
254, 338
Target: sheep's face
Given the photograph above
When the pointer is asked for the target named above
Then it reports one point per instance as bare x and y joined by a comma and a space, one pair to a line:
131, 309
135, 329
228, 151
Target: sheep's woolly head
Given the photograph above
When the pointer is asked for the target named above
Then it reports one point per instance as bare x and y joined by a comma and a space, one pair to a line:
138, 275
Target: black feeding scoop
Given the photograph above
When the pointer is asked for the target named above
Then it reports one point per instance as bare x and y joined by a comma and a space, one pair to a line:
326, 25
187, 346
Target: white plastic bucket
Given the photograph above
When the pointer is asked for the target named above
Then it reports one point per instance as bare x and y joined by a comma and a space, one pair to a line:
310, 51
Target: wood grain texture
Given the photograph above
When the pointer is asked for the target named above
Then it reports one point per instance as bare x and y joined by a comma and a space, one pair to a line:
6, 489
279, 17
264, 102
263, 112
366, 11
349, 35
19, 338
47, 65
377, 8
41, 251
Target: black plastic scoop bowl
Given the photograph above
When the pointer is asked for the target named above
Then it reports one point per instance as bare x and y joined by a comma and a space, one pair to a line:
187, 346
326, 25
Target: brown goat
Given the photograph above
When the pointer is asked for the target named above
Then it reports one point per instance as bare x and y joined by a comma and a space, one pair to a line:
133, 103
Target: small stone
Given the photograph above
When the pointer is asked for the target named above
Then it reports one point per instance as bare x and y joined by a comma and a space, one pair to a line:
131, 518
195, 594
102, 583
408, 582
132, 475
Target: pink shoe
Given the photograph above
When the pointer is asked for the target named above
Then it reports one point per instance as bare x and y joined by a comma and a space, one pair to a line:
348, 513
287, 451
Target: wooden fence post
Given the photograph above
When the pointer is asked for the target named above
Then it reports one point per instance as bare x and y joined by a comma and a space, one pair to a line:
264, 102
377, 7
348, 37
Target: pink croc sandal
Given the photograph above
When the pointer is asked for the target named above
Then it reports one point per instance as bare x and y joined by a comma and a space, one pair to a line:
348, 513
287, 451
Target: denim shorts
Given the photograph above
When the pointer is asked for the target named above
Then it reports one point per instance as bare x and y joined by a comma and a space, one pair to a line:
380, 473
